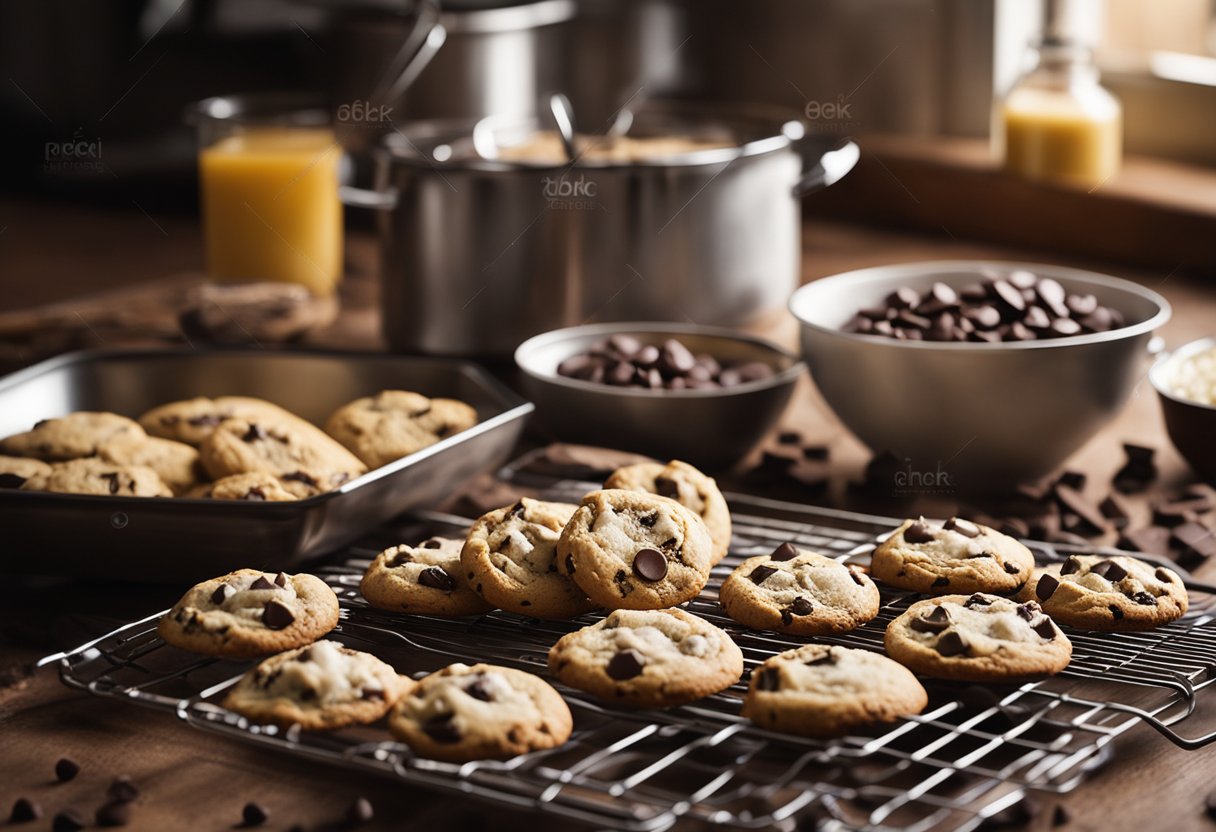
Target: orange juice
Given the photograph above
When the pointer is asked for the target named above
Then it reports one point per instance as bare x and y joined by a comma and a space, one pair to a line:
1051, 136
271, 209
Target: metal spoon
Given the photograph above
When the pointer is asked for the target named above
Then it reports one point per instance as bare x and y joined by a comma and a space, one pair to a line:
563, 116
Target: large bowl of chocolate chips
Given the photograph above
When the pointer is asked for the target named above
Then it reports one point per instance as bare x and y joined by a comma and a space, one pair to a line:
977, 374
703, 394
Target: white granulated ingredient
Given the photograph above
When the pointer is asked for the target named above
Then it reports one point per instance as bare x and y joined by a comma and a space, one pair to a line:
1194, 378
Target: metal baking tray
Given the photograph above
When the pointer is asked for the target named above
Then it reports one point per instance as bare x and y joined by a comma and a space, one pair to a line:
182, 540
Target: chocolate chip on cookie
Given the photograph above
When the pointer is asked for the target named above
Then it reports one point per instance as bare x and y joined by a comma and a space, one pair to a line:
426, 579
686, 485
1093, 592
958, 556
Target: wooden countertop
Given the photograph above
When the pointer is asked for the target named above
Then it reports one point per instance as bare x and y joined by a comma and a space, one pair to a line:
192, 780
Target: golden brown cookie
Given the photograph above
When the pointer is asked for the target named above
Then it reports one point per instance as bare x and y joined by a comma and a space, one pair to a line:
176, 463
957, 557
304, 459
15, 470
686, 485
91, 475
1094, 592
192, 420
69, 437
426, 579
395, 423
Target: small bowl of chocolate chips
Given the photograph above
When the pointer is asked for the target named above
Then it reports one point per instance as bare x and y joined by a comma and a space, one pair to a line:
704, 394
981, 371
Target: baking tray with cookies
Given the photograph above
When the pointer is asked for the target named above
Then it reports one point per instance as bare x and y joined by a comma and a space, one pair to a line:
724, 659
313, 493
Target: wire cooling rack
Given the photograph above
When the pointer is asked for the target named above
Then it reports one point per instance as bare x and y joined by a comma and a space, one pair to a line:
973, 754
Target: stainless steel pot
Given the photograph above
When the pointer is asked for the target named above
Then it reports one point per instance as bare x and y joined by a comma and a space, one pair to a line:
479, 254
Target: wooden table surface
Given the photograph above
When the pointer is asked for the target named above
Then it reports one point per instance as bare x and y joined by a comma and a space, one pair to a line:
192, 780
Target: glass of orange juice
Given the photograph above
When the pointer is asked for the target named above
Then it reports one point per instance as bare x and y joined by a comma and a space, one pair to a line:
268, 176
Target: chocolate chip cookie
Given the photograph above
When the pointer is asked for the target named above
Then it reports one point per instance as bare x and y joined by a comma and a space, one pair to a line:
249, 613
634, 550
509, 558
319, 687
648, 658
192, 420
70, 437
792, 591
819, 690
686, 485
1118, 593
304, 459
464, 713
176, 463
95, 476
426, 579
15, 470
395, 423
255, 488
978, 638
958, 556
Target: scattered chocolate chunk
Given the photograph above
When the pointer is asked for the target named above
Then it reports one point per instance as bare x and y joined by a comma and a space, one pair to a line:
650, 565
933, 621
1138, 472
964, 527
261, 583
114, 813
69, 820
254, 433
24, 810
761, 574
1038, 490
276, 616
360, 811
1077, 503
436, 578
122, 790
951, 643
801, 606
1209, 805
1196, 538
1116, 510
442, 729
919, 532
1060, 816
66, 769
1144, 599
769, 679
254, 815
1154, 540
1046, 587
625, 665
1110, 570
786, 551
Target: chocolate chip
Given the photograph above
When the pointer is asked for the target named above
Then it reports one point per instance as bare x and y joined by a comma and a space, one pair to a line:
665, 487
24, 810
400, 559
255, 494
650, 565
826, 657
254, 815
787, 617
676, 358
360, 811
1110, 570
856, 575
934, 621
9, 480
942, 581
122, 790
442, 729
1046, 587
976, 600
1044, 628
206, 420
479, 689
1164, 575
769, 679
113, 478
1028, 612
951, 643
65, 769
262, 582
801, 606
255, 432
786, 551
1073, 564
281, 579
625, 665
276, 616
761, 574
69, 820
569, 564
1144, 599
431, 543
114, 813
436, 578
964, 527
919, 532
300, 476
372, 695
1115, 612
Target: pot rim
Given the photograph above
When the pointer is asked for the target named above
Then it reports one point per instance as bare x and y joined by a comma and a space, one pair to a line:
804, 297
524, 351
787, 129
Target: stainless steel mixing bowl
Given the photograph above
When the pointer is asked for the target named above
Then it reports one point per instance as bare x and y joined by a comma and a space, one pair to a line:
710, 428
1190, 424
981, 415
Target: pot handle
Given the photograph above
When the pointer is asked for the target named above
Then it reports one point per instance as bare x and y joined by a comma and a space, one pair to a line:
415, 53
366, 198
830, 169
